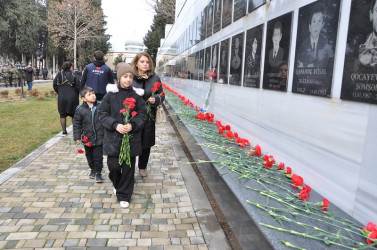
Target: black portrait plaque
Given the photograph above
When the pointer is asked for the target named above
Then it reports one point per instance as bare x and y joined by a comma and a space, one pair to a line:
253, 4
360, 64
227, 13
223, 63
253, 57
217, 9
209, 18
215, 61
203, 26
236, 59
201, 65
239, 9
207, 63
315, 48
276, 54
197, 63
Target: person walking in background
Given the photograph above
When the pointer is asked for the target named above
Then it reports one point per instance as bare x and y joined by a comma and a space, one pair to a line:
29, 77
97, 75
37, 73
68, 94
88, 130
145, 78
44, 73
122, 175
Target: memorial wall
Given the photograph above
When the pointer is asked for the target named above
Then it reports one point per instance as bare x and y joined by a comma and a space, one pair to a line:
294, 76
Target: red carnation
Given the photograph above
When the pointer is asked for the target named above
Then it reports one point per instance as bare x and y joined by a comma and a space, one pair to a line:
229, 134
373, 236
227, 127
80, 151
134, 113
304, 193
289, 170
297, 180
163, 94
325, 204
218, 124
281, 166
370, 227
258, 150
221, 131
123, 111
89, 144
268, 161
84, 139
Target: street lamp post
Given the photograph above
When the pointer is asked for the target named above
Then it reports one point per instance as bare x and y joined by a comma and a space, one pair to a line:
21, 67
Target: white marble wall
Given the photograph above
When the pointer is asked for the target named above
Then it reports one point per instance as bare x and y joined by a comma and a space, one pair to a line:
328, 141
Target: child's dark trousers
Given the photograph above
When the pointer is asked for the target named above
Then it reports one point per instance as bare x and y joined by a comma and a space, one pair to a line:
94, 155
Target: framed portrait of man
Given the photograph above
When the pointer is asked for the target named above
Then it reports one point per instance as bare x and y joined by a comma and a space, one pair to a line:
217, 10
201, 65
276, 55
227, 13
207, 62
315, 48
223, 61
253, 4
253, 57
239, 9
360, 63
236, 59
209, 18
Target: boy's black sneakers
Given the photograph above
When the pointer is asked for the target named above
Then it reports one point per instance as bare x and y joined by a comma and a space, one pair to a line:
99, 178
92, 174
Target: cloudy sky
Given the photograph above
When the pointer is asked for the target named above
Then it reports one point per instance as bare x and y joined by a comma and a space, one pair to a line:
126, 20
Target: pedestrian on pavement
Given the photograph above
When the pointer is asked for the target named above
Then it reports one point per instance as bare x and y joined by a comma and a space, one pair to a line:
44, 73
145, 78
68, 94
29, 77
97, 75
88, 130
122, 176
37, 73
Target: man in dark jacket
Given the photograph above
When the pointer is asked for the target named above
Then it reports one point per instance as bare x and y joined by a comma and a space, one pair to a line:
97, 75
88, 129
29, 77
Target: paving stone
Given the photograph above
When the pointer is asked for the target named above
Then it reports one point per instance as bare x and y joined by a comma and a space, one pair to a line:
96, 242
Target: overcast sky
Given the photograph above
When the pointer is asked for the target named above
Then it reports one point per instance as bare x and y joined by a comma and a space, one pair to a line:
126, 20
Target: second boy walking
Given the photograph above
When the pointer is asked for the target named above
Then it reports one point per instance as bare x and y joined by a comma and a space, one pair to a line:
88, 130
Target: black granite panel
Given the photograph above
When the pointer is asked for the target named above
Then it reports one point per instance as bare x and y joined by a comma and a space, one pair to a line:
315, 48
253, 57
223, 64
277, 51
360, 64
236, 60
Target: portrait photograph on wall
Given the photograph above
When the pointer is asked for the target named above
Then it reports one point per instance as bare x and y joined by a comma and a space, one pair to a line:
207, 62
239, 9
197, 63
217, 16
214, 61
236, 59
227, 13
253, 57
253, 4
315, 48
360, 64
203, 26
223, 63
278, 42
201, 65
209, 18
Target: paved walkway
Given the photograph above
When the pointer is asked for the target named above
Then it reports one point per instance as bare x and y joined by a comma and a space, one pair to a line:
48, 201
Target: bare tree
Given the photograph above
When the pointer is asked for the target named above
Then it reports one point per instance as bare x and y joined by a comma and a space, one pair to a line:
71, 23
163, 7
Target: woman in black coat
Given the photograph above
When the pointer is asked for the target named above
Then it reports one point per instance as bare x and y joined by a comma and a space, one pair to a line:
145, 78
68, 94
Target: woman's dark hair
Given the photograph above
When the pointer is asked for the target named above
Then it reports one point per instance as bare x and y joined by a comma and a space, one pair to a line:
66, 65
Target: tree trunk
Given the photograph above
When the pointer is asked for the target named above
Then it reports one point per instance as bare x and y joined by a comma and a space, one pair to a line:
75, 42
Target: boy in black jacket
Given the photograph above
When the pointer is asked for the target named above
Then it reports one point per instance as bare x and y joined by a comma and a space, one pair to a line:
87, 128
122, 175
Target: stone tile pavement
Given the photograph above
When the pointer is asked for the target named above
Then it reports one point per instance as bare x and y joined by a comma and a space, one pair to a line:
48, 201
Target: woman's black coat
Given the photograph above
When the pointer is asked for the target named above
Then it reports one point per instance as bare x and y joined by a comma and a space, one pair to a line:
68, 92
110, 117
149, 131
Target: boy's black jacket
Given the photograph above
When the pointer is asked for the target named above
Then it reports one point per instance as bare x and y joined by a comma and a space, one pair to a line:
110, 117
86, 123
